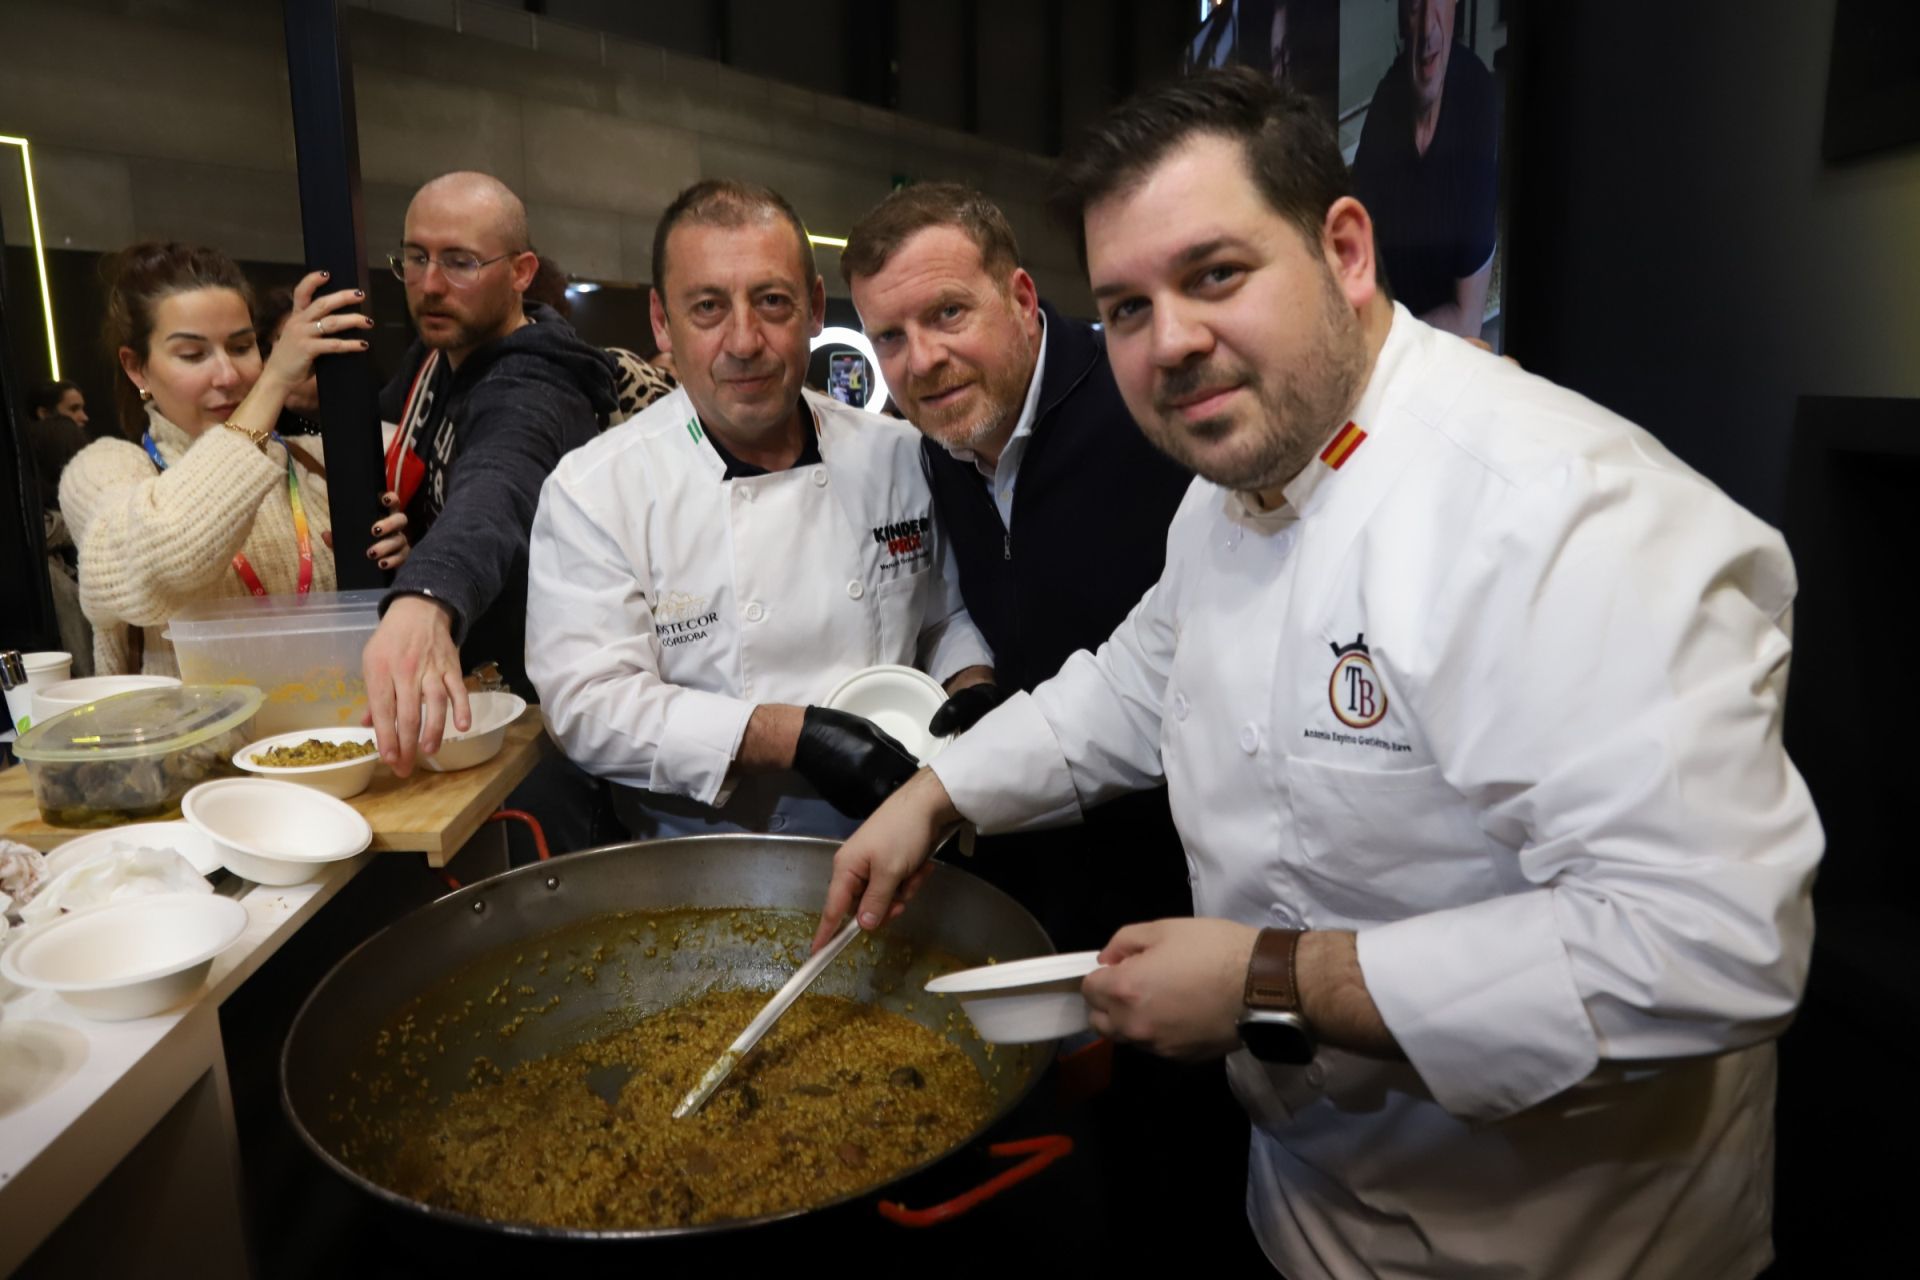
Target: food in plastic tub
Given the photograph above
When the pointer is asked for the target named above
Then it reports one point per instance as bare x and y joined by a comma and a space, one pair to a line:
133, 756
302, 652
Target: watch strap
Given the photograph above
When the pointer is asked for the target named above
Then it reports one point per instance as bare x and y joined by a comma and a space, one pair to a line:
1271, 978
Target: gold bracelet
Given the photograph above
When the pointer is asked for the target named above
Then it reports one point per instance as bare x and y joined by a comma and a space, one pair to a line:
259, 437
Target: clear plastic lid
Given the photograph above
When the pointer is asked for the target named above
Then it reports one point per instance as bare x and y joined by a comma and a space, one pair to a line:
146, 722
276, 615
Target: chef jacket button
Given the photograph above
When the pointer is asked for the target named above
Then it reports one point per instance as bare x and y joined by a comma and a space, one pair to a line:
820, 477
778, 822
1316, 1074
1250, 739
1180, 706
755, 611
855, 589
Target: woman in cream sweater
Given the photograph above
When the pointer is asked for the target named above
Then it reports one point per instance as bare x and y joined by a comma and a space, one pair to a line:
206, 502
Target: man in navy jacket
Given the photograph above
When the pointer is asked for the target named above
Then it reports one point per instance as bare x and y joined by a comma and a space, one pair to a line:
1056, 508
1013, 397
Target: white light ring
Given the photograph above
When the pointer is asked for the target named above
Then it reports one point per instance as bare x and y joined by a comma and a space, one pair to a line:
840, 336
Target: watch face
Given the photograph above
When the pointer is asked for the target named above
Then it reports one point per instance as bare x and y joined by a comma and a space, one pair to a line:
1282, 1038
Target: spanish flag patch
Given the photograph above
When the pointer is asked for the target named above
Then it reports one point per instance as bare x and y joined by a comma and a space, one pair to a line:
1342, 446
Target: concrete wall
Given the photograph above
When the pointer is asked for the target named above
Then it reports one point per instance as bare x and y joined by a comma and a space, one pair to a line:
170, 117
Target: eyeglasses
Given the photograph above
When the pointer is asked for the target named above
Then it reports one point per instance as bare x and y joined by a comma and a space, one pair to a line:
460, 269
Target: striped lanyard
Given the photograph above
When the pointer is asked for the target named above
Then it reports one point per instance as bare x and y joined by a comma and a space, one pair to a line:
302, 536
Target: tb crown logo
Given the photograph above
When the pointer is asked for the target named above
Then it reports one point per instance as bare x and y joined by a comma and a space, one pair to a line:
1354, 690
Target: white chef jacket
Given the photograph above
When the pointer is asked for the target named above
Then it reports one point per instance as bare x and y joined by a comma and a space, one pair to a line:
1502, 693
665, 601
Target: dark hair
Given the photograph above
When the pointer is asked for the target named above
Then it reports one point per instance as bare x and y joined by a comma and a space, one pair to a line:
1291, 150
910, 210
138, 277
46, 396
549, 285
270, 314
722, 202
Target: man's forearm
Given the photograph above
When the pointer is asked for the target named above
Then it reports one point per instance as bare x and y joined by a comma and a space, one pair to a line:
967, 676
1334, 997
773, 731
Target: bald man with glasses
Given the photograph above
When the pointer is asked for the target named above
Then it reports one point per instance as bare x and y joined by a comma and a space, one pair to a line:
494, 392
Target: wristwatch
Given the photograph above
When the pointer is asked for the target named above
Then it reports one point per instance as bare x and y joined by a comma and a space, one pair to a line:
258, 437
1272, 1028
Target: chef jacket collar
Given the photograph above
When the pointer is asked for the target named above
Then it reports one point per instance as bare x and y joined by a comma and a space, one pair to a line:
733, 468
1372, 414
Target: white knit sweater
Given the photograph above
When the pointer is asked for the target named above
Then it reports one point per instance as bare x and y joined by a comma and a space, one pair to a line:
152, 542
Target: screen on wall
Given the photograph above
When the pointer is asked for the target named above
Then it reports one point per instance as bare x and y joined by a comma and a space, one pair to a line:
1417, 89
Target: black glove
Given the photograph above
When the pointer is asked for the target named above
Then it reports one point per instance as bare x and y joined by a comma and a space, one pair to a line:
963, 710
850, 760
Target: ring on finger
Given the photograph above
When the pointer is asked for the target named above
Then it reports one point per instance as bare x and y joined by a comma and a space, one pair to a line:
320, 327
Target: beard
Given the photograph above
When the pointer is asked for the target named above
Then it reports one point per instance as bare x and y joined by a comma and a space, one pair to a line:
1295, 411
1003, 386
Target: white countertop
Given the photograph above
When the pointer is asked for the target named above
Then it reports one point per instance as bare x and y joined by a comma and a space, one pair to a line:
76, 1095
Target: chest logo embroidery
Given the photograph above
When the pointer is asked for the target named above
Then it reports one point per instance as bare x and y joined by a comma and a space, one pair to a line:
1354, 689
681, 618
905, 541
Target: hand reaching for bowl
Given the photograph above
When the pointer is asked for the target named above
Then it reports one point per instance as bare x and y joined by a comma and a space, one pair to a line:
883, 864
412, 670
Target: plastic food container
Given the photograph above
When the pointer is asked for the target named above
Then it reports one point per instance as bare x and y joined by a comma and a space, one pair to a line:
133, 756
127, 959
302, 652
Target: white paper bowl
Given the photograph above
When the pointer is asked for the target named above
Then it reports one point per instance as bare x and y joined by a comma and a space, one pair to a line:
900, 700
177, 836
53, 699
1023, 1001
343, 778
492, 713
273, 832
127, 959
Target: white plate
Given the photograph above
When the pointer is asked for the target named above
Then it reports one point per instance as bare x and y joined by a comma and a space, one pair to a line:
51, 700
342, 778
177, 836
900, 700
1073, 966
1025, 1001
274, 832
493, 714
127, 959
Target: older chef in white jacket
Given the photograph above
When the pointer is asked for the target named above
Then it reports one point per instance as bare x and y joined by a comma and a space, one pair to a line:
1468, 697
701, 573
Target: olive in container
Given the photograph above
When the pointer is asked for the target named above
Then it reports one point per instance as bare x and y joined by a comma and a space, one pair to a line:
132, 756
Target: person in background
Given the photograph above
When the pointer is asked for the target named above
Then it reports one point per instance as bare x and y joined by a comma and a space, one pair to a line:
204, 501
301, 416
1468, 695
1056, 511
490, 397
704, 575
637, 383
56, 431
1428, 172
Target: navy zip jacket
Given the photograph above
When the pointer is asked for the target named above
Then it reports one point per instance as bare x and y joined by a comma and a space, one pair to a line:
1091, 506
517, 405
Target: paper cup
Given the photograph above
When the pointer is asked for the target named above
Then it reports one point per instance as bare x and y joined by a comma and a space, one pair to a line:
45, 667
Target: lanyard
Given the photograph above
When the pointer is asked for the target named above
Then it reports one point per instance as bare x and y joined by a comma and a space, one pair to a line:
302, 535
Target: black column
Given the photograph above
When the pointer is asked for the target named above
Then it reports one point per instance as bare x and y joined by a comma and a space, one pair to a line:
327, 147
26, 606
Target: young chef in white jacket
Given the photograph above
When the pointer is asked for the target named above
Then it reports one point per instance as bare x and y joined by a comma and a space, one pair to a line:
703, 572
1468, 697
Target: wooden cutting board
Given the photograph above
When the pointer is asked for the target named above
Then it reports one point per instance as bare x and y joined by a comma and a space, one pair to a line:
430, 813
